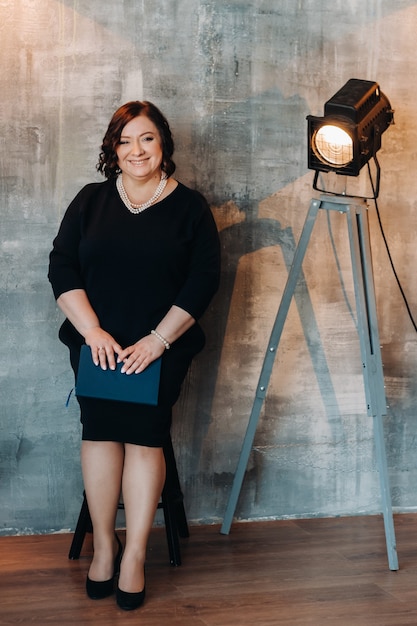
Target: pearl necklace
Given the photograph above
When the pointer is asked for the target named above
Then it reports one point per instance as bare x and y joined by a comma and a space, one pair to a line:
138, 208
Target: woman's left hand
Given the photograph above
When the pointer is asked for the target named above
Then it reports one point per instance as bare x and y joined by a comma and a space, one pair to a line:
137, 357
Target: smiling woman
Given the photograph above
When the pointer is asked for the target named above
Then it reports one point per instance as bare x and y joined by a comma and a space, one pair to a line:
134, 265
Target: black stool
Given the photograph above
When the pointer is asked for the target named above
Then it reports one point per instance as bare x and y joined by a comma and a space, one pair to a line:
172, 504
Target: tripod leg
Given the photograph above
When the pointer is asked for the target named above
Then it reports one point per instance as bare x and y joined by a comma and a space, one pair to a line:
381, 459
268, 364
371, 358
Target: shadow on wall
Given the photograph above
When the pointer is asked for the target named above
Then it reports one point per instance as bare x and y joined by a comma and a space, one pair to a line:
274, 157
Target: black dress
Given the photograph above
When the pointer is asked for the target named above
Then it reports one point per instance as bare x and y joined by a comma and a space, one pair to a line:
134, 267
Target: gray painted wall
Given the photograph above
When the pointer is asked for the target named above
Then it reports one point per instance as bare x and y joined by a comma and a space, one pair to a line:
236, 80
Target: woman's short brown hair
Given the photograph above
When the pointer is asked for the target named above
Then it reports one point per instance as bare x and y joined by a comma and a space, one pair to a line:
107, 163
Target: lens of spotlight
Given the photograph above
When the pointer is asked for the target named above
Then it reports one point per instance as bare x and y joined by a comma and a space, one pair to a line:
333, 145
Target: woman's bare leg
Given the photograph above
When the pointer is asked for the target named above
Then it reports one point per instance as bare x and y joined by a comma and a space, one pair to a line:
102, 465
142, 484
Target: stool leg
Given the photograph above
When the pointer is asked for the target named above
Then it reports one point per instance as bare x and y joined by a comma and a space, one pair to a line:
83, 526
173, 487
171, 529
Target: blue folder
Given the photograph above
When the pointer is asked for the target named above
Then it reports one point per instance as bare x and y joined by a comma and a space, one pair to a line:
94, 382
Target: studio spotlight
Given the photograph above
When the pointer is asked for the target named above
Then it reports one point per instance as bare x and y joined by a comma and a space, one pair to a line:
349, 134
342, 141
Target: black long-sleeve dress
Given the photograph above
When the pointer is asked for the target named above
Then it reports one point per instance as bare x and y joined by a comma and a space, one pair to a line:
134, 267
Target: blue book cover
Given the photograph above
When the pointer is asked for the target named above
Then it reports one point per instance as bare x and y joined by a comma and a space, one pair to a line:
94, 382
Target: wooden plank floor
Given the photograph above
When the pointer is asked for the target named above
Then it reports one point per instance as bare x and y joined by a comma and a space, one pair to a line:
295, 573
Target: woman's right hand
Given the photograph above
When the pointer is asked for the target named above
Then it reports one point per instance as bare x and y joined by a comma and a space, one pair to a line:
103, 347
76, 307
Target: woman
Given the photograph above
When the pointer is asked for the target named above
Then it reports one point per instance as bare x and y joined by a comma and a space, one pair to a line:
133, 267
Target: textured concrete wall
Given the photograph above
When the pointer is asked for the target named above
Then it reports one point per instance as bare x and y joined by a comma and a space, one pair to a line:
236, 80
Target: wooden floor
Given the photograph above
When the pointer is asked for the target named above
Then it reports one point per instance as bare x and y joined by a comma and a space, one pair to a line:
295, 573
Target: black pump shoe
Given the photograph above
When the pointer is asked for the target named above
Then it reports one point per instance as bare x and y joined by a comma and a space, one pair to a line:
129, 601
97, 590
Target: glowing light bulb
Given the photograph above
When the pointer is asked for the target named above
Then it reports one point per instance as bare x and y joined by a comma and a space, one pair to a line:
333, 145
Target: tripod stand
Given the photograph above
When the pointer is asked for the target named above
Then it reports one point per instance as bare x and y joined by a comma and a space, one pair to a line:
357, 219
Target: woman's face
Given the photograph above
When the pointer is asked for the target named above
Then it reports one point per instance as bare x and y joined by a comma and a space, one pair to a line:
139, 153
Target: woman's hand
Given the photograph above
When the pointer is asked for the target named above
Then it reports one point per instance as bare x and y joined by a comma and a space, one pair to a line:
77, 308
103, 347
137, 357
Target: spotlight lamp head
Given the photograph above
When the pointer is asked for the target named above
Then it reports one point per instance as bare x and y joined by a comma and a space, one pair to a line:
349, 134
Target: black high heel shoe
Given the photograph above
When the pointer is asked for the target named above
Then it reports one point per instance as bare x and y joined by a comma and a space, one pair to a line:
129, 601
99, 589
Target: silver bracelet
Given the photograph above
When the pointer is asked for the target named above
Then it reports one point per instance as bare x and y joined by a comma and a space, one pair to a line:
162, 339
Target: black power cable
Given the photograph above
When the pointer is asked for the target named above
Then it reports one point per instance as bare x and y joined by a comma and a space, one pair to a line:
389, 253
